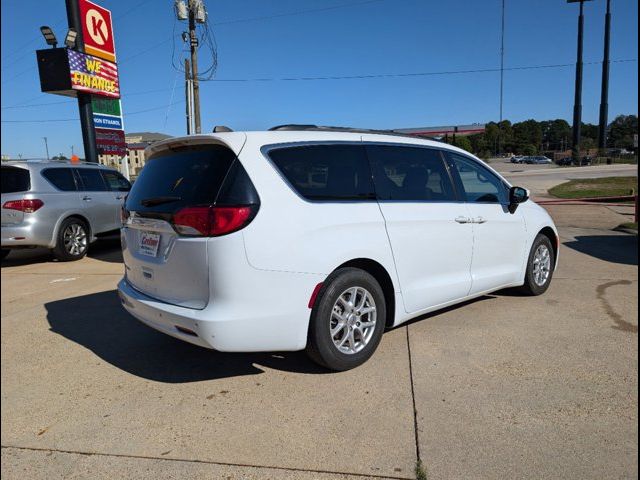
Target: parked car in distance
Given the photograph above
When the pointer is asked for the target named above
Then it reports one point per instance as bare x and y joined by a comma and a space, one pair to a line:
568, 161
537, 160
59, 205
517, 159
320, 238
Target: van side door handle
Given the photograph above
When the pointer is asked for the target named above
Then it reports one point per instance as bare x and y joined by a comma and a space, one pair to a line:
480, 220
462, 219
86, 198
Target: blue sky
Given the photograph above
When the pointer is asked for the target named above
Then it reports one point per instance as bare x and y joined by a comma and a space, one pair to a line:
310, 38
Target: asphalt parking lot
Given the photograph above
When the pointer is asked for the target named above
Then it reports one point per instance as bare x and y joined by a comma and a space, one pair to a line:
501, 387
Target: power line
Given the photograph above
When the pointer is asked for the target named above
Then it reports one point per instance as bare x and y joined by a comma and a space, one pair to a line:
351, 77
409, 74
298, 12
57, 24
126, 95
51, 120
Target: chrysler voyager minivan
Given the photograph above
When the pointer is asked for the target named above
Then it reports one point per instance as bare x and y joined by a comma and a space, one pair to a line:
320, 238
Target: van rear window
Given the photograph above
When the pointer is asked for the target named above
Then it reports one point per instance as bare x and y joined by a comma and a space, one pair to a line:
15, 180
178, 179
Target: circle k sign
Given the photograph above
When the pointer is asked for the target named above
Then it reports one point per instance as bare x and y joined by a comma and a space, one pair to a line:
97, 30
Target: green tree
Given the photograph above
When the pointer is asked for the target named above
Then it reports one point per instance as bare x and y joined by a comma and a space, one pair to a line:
556, 134
621, 131
463, 143
525, 134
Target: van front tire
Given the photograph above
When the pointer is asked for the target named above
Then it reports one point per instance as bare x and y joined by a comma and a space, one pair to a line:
540, 267
347, 320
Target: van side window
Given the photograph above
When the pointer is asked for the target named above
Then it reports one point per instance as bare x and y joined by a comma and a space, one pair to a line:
326, 172
61, 178
91, 180
116, 181
478, 183
410, 174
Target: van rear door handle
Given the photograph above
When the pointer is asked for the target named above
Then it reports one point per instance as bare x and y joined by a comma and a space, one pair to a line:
463, 219
86, 198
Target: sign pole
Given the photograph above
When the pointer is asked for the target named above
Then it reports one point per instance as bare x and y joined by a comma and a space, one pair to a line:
84, 99
577, 104
604, 94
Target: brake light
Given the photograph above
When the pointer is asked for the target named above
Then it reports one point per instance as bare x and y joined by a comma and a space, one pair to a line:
212, 221
27, 205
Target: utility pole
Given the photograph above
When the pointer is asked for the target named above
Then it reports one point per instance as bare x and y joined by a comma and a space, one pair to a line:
84, 99
501, 80
46, 146
577, 104
604, 96
187, 93
193, 42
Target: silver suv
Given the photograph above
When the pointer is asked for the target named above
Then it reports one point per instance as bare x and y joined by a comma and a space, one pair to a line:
59, 205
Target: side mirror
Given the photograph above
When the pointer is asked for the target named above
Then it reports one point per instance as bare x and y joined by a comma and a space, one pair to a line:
517, 195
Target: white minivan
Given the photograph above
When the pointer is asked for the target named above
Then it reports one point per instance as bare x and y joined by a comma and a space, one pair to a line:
320, 238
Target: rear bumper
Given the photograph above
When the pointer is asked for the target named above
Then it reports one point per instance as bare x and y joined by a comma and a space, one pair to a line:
27, 234
258, 320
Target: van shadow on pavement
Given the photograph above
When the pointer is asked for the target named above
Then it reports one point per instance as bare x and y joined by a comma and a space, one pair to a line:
98, 322
610, 248
105, 250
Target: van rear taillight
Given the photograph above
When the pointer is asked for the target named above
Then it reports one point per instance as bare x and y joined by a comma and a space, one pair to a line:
212, 221
26, 205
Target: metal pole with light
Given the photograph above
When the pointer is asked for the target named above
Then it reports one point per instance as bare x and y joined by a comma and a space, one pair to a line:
604, 96
577, 104
49, 36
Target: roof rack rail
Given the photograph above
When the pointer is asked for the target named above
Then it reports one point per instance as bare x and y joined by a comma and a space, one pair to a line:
322, 128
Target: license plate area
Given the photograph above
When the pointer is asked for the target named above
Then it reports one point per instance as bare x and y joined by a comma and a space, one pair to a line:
149, 244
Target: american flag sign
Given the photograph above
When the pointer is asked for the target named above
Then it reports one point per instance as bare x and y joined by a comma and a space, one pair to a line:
93, 75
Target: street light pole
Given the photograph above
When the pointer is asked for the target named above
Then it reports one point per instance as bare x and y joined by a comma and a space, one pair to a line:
46, 146
604, 96
577, 104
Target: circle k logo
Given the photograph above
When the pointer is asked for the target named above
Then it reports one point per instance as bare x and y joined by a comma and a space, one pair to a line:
97, 27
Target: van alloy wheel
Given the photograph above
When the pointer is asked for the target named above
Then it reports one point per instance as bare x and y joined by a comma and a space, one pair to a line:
541, 265
75, 239
353, 320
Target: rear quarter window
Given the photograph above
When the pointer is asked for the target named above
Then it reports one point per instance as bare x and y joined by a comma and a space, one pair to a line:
15, 180
326, 172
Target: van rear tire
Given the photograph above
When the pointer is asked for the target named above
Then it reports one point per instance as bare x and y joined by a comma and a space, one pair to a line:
347, 320
72, 242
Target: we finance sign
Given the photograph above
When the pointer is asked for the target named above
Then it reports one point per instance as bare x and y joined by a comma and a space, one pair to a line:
93, 75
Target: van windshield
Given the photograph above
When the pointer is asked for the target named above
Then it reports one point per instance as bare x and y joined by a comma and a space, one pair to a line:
174, 180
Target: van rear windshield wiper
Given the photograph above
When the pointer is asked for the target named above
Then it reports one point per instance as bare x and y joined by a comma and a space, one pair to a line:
150, 202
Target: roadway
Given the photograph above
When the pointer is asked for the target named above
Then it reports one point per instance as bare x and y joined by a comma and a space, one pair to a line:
540, 178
